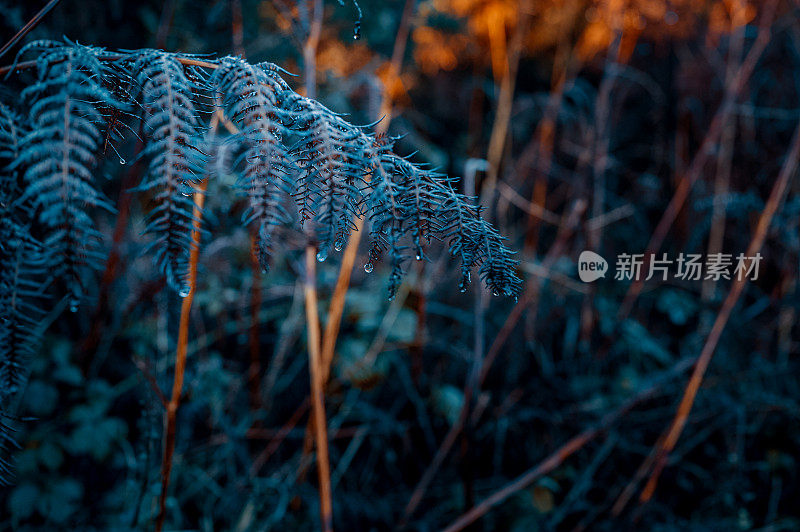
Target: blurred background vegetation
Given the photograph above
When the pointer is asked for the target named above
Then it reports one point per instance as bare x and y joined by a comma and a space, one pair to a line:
578, 123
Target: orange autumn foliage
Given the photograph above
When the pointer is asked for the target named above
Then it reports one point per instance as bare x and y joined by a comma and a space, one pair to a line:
590, 26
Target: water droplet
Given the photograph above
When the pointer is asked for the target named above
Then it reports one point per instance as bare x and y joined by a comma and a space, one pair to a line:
495, 293
184, 291
187, 194
322, 255
368, 267
338, 245
418, 256
73, 307
121, 160
263, 271
462, 287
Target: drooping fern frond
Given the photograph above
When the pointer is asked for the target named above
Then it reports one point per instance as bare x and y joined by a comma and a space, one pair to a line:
22, 270
334, 174
249, 93
338, 173
295, 155
21, 279
59, 154
173, 133
11, 132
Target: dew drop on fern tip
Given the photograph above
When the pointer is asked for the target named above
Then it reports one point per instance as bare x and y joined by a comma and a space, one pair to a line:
184, 291
322, 255
368, 267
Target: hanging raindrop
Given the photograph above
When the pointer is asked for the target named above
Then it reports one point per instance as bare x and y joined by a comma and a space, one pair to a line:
322, 255
338, 245
184, 291
121, 160
368, 267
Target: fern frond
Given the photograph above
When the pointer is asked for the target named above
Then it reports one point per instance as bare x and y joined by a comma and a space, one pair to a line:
22, 276
7, 446
175, 161
58, 157
249, 94
22, 269
332, 156
340, 173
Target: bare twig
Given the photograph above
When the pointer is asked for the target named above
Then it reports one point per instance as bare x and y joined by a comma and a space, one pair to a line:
32, 23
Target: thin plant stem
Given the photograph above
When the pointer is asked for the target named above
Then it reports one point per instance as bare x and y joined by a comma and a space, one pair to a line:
180, 355
317, 392
32, 23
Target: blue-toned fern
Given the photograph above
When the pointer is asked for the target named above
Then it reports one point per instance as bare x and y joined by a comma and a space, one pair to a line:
249, 94
22, 276
338, 172
300, 164
173, 131
59, 154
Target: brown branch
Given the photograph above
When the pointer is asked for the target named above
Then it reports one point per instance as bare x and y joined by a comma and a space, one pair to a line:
310, 50
317, 392
180, 354
687, 401
505, 100
32, 23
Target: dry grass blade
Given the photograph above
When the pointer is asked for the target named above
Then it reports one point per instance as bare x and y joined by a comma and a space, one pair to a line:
317, 392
